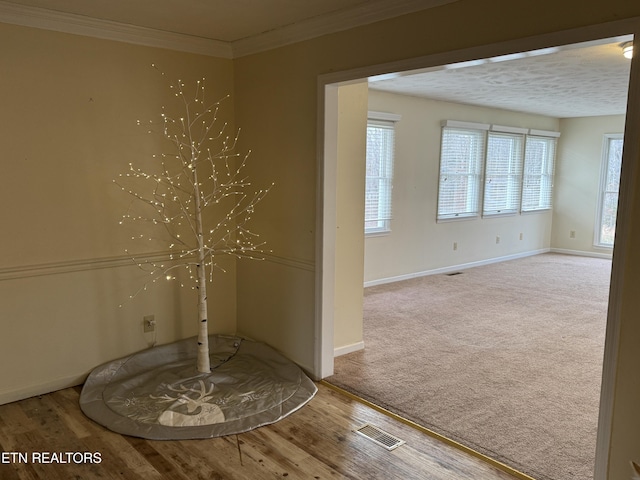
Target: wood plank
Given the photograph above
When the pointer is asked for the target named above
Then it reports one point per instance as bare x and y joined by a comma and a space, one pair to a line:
316, 442
228, 461
64, 406
215, 460
282, 458
33, 441
20, 422
117, 453
6, 472
161, 464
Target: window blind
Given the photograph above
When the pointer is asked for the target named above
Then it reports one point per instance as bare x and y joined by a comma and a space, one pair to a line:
461, 155
610, 184
503, 173
539, 165
379, 175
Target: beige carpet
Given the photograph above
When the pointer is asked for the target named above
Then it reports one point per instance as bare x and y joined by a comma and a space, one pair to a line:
504, 358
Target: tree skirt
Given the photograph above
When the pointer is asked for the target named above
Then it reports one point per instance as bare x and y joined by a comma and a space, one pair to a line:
158, 393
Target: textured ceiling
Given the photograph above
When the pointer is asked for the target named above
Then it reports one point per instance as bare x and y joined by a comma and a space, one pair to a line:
576, 81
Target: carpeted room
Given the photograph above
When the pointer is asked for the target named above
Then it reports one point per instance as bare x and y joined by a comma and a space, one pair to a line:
418, 244
504, 358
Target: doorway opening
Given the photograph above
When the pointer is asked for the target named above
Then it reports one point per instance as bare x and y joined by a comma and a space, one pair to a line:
330, 306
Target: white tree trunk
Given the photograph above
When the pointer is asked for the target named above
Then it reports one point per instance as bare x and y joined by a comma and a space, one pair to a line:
203, 363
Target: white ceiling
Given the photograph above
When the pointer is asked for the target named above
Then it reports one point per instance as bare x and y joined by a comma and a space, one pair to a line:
583, 80
574, 81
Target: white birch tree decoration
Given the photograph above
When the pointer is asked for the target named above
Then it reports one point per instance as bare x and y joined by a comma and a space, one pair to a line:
195, 197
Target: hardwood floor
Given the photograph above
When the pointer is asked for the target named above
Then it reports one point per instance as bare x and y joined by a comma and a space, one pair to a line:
316, 442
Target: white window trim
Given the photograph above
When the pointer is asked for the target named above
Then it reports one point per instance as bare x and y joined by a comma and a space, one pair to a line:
604, 165
507, 129
384, 116
544, 134
455, 124
393, 118
465, 125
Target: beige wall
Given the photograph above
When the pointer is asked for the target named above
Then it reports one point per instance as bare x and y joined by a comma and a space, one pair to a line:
68, 128
577, 181
349, 259
416, 243
276, 109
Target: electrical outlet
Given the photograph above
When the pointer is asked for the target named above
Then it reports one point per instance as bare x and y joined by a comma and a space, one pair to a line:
572, 234
521, 236
455, 245
497, 238
148, 323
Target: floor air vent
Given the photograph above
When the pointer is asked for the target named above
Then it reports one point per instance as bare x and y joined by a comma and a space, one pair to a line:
380, 437
453, 273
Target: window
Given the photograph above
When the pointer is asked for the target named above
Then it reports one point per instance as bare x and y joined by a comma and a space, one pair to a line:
461, 158
539, 166
609, 186
379, 172
517, 165
503, 174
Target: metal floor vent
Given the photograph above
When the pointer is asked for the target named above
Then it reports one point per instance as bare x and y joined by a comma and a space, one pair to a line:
453, 273
380, 437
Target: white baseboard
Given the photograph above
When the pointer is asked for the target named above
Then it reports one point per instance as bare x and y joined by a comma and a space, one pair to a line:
41, 389
582, 253
455, 268
354, 347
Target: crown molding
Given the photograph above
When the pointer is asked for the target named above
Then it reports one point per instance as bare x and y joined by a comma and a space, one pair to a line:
108, 30
370, 12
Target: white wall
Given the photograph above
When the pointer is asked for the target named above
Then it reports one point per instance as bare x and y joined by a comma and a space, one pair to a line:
577, 181
416, 242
